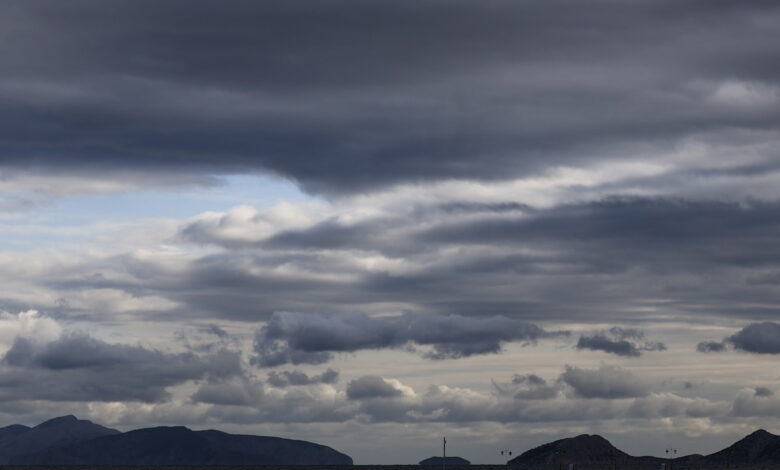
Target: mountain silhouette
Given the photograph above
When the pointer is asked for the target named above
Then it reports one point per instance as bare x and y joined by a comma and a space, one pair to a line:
18, 441
759, 449
585, 449
70, 441
9, 432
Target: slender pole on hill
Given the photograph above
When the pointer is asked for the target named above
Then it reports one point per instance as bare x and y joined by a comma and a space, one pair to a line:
444, 453
670, 455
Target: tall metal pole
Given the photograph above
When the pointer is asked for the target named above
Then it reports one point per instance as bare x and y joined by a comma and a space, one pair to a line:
444, 453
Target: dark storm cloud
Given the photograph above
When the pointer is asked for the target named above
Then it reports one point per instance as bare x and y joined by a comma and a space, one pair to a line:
77, 367
619, 341
600, 342
760, 338
312, 339
633, 225
757, 338
764, 392
288, 378
711, 346
604, 382
349, 95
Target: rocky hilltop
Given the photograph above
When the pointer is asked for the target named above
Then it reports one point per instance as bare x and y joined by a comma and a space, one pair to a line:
583, 450
71, 441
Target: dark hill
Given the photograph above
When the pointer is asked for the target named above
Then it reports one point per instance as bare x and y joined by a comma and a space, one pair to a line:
760, 447
583, 450
9, 432
70, 441
451, 461
20, 441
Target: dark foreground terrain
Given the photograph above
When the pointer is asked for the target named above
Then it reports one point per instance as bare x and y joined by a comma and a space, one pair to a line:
758, 450
371, 467
74, 444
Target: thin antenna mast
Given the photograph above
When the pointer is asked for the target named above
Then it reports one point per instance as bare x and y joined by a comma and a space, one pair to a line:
444, 453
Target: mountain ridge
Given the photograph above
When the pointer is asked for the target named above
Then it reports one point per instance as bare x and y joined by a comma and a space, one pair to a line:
67, 440
593, 451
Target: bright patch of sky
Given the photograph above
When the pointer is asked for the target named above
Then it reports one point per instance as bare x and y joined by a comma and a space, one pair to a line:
74, 216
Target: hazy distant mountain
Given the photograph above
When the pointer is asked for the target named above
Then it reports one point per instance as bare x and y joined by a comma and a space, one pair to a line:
438, 461
68, 441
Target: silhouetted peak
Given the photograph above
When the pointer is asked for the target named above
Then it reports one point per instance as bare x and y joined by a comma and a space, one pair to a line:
756, 438
67, 419
590, 438
591, 441
761, 433
15, 428
585, 448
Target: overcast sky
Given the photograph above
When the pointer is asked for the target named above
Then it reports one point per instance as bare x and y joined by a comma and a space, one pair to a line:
373, 223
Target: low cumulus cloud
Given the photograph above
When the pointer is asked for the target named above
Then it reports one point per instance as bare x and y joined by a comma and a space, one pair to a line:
289, 378
533, 387
378, 399
756, 402
757, 338
604, 382
312, 339
620, 341
372, 386
612, 394
235, 391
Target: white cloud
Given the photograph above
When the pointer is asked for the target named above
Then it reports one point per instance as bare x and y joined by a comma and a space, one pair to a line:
28, 324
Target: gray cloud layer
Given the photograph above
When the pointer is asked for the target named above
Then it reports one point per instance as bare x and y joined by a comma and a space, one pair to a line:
353, 94
605, 382
288, 378
77, 367
616, 163
593, 259
758, 338
312, 339
619, 341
